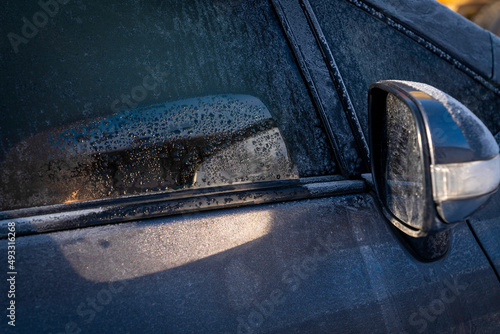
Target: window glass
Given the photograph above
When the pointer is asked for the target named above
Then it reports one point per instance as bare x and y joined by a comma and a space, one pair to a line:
110, 98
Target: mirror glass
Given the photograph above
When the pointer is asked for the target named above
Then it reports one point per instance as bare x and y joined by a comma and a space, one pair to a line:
402, 164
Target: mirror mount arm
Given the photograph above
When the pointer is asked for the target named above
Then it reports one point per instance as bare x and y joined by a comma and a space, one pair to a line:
430, 248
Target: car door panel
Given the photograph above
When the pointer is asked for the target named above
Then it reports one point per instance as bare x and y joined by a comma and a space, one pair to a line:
367, 49
486, 227
303, 266
438, 25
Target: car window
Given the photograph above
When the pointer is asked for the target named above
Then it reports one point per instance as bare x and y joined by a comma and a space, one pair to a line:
108, 99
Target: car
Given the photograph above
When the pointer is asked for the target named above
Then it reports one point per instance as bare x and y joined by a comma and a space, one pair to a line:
248, 167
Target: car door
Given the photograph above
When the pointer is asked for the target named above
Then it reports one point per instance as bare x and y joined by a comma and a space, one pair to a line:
421, 42
309, 252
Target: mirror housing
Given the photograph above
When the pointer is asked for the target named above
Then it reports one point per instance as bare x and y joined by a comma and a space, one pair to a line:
434, 163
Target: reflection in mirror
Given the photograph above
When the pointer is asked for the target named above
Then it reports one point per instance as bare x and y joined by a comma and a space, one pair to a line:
403, 164
207, 141
262, 157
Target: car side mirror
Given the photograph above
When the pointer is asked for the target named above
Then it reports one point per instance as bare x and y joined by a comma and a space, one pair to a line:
434, 163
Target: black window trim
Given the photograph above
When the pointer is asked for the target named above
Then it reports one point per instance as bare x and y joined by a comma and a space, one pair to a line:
321, 74
101, 212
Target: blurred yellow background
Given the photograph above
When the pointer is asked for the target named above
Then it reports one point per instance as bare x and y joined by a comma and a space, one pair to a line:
467, 6
485, 13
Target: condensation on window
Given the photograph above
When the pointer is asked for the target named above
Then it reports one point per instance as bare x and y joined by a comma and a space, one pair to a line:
207, 141
102, 60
